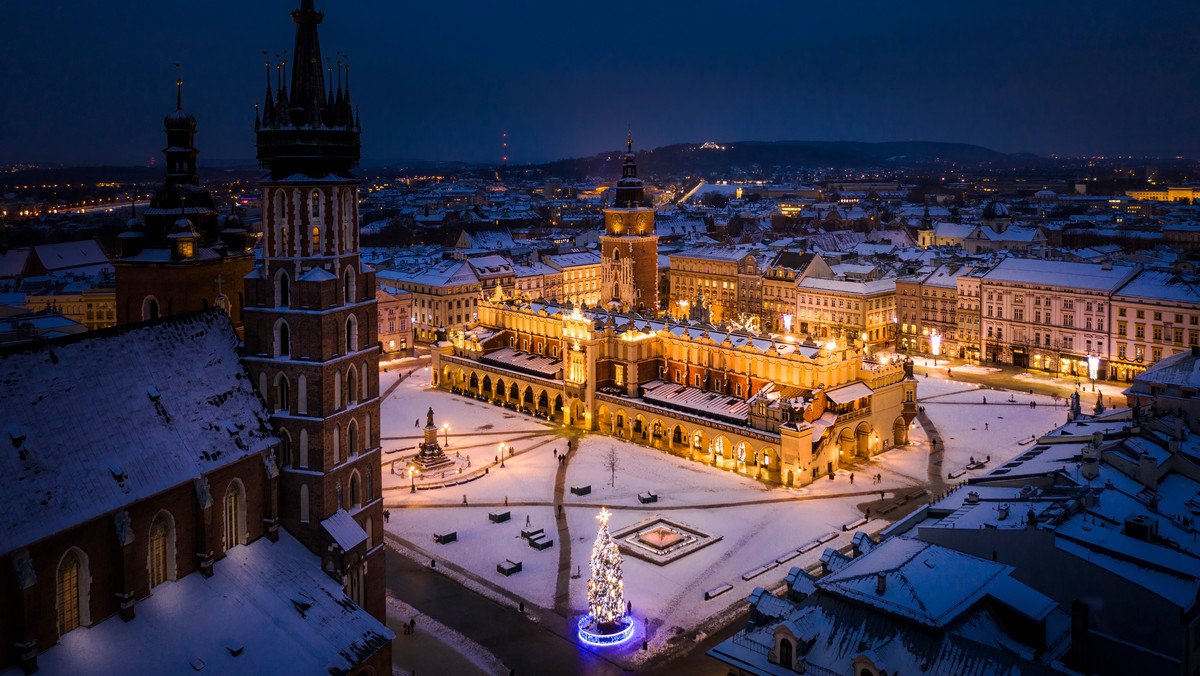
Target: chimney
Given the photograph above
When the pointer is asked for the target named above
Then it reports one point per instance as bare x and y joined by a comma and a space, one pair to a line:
880, 583
1147, 471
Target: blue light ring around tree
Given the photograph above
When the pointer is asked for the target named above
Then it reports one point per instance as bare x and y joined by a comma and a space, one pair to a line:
604, 640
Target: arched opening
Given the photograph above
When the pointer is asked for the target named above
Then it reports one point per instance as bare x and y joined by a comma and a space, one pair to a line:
337, 390
846, 444
604, 419
337, 445
162, 548
487, 387
281, 224
501, 390
355, 491
351, 386
283, 340
899, 432
677, 436
543, 402
285, 449
316, 240
348, 295
283, 289
616, 255
351, 334
785, 653
473, 383
720, 449
235, 515
302, 395
862, 438
73, 583
514, 393
303, 449
149, 308
303, 503
282, 393
789, 479
369, 489
353, 448
558, 404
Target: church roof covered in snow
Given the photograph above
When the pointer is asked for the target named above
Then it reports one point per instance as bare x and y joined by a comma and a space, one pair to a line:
268, 609
98, 421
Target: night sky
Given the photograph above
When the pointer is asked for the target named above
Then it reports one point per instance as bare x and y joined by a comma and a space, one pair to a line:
89, 82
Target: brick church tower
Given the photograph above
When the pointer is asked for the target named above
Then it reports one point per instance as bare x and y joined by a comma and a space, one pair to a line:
310, 334
629, 245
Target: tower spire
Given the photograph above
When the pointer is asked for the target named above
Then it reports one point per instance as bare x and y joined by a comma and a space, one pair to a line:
178, 88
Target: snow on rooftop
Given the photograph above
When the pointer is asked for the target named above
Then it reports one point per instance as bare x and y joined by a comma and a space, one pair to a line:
693, 399
1087, 276
111, 418
268, 602
922, 581
547, 367
344, 530
848, 393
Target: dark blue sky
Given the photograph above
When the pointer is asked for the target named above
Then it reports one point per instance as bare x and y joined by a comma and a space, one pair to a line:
89, 82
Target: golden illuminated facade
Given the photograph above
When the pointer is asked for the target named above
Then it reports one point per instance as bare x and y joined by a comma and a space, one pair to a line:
781, 411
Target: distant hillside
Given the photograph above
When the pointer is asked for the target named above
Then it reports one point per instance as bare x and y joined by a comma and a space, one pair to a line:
692, 159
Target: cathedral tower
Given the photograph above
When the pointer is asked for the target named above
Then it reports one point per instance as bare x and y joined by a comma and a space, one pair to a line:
629, 245
182, 256
310, 338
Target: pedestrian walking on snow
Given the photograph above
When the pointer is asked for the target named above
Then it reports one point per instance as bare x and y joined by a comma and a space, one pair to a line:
852, 478
985, 426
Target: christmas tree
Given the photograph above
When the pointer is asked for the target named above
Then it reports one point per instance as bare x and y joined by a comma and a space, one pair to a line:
606, 589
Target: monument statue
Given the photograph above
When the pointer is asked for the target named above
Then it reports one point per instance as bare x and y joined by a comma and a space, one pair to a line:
429, 417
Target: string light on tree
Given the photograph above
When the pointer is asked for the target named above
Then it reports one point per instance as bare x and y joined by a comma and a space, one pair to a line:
606, 622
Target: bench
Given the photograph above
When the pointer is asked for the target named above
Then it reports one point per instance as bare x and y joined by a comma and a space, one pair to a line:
541, 542
445, 538
581, 490
532, 533
499, 517
717, 591
647, 497
508, 567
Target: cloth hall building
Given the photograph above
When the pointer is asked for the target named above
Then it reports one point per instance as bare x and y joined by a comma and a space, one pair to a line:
769, 408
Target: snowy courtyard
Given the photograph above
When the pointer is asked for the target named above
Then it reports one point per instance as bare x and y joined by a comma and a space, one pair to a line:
761, 530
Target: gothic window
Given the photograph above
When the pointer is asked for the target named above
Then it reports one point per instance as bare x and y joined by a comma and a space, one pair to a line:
162, 549
235, 515
149, 308
351, 387
304, 448
337, 445
283, 290
285, 449
72, 581
369, 486
348, 286
283, 340
355, 491
282, 393
352, 439
281, 221
351, 334
314, 206
302, 395
338, 494
316, 240
304, 503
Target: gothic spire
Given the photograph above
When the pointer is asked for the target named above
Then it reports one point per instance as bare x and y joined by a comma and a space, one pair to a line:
308, 82
630, 193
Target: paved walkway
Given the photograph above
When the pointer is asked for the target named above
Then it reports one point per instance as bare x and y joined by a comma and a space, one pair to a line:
562, 584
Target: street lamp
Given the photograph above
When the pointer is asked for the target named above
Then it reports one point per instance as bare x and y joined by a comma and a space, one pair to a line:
412, 474
1093, 362
446, 431
935, 345
501, 453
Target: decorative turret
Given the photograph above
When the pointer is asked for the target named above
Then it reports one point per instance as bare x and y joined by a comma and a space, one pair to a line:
630, 192
313, 131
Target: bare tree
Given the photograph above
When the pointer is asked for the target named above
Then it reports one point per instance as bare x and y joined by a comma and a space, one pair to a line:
612, 464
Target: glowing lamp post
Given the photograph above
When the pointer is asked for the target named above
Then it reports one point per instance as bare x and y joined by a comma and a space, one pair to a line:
446, 433
412, 475
935, 345
1093, 363
787, 323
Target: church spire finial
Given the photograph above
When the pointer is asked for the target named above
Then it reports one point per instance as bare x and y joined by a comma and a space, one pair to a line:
629, 140
178, 88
